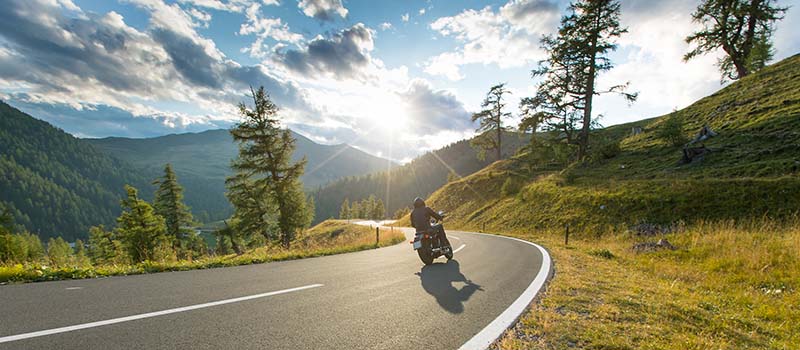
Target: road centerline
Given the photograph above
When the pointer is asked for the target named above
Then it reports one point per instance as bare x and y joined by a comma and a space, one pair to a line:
52, 331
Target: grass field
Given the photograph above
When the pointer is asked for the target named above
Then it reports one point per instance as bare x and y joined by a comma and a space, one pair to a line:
328, 238
726, 286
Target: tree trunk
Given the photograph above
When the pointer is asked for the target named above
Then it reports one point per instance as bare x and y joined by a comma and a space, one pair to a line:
499, 142
587, 109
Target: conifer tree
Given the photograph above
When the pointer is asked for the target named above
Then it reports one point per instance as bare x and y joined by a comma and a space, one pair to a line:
141, 230
355, 211
380, 210
104, 247
58, 252
491, 122
344, 211
741, 28
168, 203
264, 167
576, 55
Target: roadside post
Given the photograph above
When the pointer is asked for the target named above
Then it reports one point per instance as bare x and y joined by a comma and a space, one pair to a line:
377, 235
566, 234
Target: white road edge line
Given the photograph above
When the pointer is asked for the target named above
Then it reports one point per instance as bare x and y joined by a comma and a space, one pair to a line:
454, 237
149, 314
496, 328
459, 248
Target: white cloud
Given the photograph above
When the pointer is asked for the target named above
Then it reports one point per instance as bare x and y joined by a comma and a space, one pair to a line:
386, 26
265, 28
507, 38
405, 17
422, 11
323, 10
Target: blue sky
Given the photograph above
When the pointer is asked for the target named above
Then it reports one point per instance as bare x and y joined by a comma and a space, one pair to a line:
394, 78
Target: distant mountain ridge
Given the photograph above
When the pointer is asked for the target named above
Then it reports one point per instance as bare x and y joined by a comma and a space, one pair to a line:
56, 184
202, 162
420, 177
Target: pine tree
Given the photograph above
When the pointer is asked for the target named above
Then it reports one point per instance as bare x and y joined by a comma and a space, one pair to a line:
575, 58
355, 211
58, 252
344, 210
380, 210
491, 122
264, 166
104, 248
168, 203
741, 28
141, 230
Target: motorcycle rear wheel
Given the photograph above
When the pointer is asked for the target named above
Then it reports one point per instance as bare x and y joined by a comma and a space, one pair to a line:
425, 254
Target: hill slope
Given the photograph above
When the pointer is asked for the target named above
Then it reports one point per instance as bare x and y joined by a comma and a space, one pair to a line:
419, 177
751, 171
55, 184
202, 162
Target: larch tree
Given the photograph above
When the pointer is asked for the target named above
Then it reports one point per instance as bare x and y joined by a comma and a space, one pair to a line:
490, 120
741, 28
266, 184
169, 204
141, 230
576, 56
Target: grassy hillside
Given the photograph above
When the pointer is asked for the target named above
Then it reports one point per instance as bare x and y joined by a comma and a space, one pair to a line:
202, 161
420, 177
752, 170
731, 281
55, 184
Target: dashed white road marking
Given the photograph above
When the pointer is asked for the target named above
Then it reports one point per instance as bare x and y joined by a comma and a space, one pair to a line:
76, 327
459, 248
73, 288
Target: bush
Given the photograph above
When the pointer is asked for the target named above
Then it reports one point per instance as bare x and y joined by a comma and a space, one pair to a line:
671, 131
607, 149
511, 186
602, 253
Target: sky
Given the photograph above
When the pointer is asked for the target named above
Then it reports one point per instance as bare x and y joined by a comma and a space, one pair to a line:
393, 78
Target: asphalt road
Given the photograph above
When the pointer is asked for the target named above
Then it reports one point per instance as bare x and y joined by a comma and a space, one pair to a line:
377, 299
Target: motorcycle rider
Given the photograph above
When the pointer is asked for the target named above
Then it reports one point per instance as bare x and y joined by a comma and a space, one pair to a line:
421, 219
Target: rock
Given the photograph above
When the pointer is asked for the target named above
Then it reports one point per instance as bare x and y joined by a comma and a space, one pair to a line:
645, 247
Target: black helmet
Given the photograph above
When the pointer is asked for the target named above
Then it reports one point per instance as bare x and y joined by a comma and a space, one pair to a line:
419, 202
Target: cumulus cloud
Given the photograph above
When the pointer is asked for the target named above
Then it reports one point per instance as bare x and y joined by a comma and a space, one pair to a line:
92, 60
405, 17
323, 10
432, 111
264, 28
508, 37
343, 55
386, 26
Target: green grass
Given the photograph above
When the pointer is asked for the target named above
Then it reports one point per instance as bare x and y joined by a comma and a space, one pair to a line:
328, 238
726, 286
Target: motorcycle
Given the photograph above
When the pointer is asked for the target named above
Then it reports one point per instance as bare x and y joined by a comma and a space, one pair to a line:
429, 244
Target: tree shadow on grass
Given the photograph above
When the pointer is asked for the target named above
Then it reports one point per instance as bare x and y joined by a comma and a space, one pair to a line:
438, 279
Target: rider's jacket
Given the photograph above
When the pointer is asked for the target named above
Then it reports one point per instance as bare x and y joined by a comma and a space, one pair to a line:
421, 218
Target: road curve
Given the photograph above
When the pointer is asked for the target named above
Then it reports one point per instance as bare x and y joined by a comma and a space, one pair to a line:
377, 299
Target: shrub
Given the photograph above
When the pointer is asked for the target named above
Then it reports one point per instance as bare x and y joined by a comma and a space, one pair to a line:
511, 186
602, 253
671, 131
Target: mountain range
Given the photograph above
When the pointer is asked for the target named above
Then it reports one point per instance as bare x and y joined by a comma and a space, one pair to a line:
58, 185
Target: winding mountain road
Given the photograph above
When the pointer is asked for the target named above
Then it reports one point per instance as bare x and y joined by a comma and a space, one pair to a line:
377, 299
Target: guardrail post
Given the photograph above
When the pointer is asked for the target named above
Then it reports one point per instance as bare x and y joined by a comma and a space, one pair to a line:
377, 235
